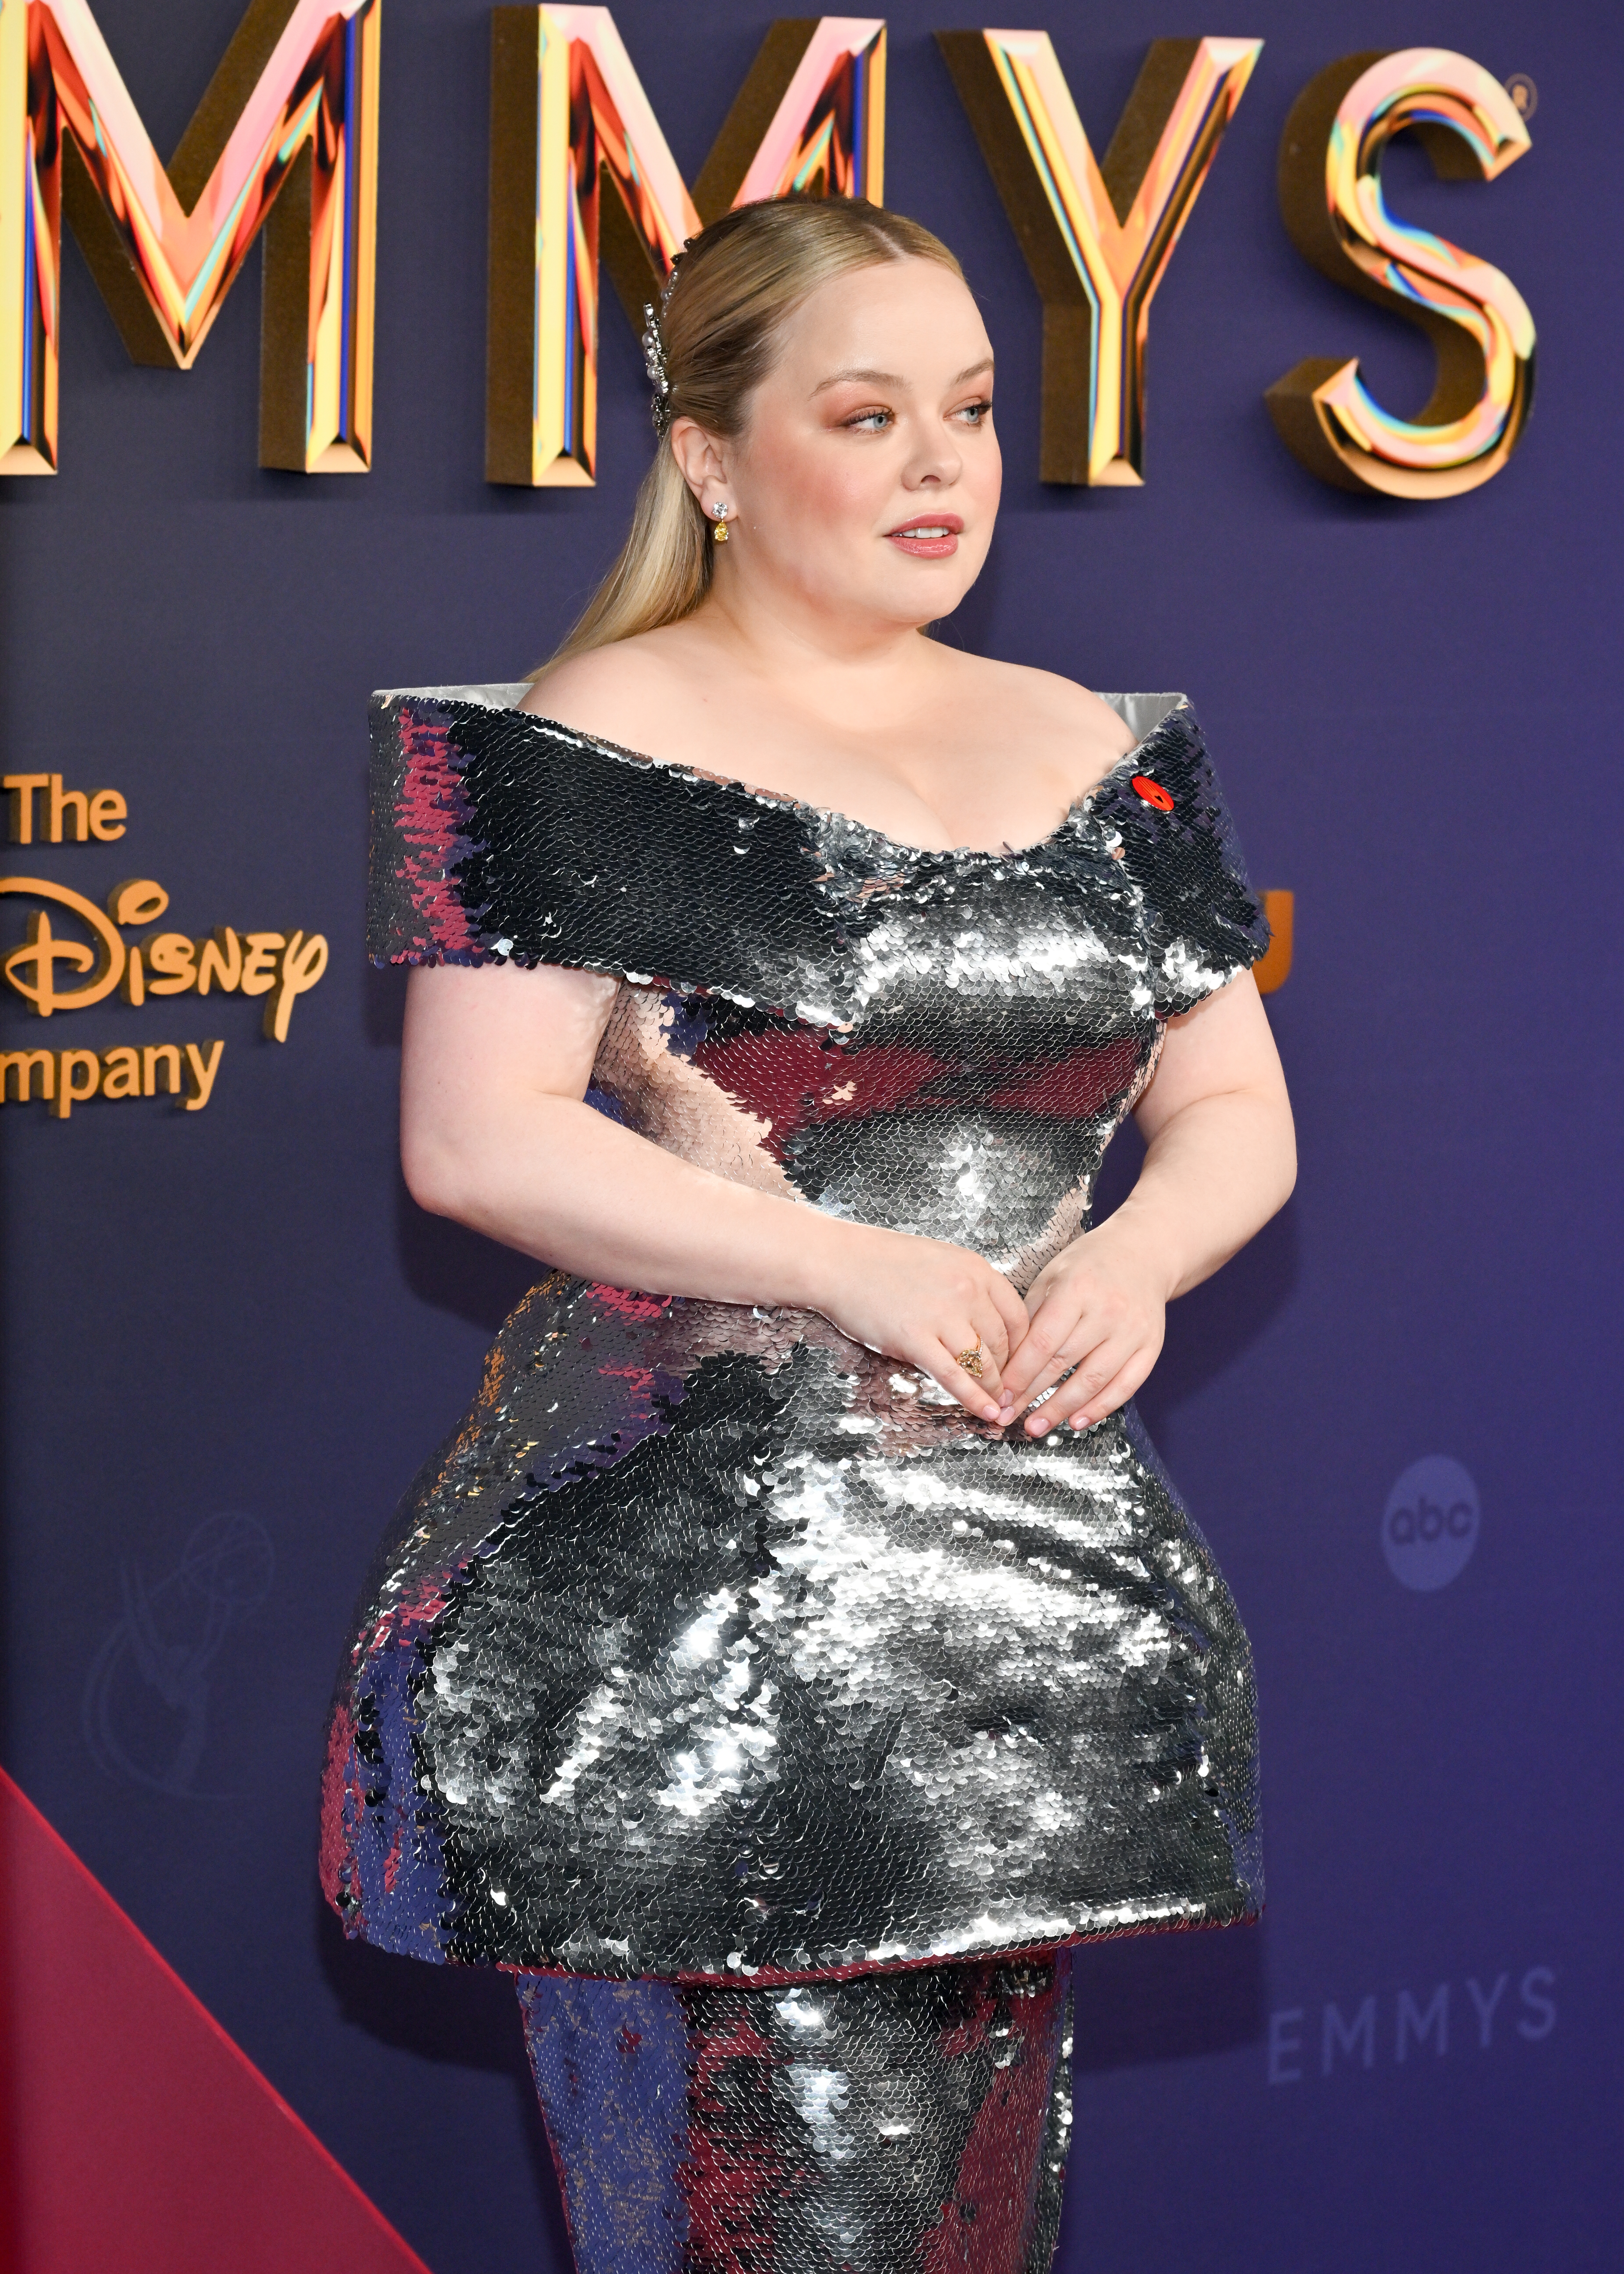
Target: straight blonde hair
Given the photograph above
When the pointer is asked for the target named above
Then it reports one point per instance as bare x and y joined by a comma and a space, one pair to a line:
736, 285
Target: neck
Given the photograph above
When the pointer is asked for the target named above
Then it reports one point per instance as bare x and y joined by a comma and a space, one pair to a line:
781, 638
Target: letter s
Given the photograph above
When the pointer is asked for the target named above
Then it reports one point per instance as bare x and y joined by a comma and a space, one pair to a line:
1330, 197
1545, 2007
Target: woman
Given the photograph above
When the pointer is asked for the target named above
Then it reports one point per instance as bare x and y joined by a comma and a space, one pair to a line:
762, 1671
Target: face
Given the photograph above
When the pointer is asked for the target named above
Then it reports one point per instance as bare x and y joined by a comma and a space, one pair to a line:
866, 482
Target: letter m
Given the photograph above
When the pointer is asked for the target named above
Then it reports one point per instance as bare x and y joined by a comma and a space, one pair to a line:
567, 114
22, 1063
1414, 2023
285, 138
1357, 2036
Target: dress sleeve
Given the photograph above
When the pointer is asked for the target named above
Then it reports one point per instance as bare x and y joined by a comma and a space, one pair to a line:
422, 830
1203, 921
499, 837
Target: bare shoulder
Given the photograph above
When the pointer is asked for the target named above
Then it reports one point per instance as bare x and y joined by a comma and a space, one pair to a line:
1045, 704
622, 693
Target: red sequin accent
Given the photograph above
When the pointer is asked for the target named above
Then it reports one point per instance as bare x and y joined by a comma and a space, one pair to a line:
1151, 793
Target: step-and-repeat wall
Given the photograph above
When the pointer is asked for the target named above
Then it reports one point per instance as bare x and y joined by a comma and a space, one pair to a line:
230, 1336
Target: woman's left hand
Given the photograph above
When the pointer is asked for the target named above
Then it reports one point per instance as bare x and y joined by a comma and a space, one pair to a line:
1098, 1314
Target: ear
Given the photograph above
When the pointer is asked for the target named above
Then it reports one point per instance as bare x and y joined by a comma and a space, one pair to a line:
700, 456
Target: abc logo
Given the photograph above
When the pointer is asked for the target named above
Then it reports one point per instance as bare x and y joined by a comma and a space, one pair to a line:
1428, 1528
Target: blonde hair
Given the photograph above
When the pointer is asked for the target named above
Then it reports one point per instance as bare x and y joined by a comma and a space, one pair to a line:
736, 285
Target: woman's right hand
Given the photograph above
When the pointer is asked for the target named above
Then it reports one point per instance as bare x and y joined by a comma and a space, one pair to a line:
926, 1302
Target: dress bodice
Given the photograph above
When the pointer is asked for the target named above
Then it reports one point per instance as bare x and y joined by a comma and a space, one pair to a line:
939, 1042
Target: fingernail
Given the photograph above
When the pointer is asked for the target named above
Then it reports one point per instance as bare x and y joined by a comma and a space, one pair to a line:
1008, 1398
991, 1413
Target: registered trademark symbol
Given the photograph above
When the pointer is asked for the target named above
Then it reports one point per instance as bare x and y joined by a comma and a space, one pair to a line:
1523, 93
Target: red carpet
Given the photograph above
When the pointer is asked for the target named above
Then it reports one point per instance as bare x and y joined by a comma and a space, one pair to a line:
135, 2138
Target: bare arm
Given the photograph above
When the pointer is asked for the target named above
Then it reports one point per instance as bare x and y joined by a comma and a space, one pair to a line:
1221, 1151
1220, 1158
495, 1132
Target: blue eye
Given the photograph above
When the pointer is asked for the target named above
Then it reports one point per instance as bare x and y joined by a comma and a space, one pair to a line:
867, 418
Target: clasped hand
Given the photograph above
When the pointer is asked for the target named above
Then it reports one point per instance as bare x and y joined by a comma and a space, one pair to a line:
1093, 1321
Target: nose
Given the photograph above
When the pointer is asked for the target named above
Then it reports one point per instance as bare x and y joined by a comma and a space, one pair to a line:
936, 464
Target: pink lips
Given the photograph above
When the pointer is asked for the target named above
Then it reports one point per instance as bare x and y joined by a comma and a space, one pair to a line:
942, 537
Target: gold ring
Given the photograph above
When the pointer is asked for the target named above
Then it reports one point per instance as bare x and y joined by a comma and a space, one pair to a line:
970, 1360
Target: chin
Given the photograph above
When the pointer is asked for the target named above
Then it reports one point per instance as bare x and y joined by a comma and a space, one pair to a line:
913, 610
925, 599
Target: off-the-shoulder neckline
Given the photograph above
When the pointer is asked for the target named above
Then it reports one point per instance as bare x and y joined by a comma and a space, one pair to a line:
1079, 806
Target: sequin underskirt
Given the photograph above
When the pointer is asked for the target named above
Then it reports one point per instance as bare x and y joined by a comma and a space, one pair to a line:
915, 2121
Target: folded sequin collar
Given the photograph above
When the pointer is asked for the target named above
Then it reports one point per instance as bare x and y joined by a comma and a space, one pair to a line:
1131, 762
502, 836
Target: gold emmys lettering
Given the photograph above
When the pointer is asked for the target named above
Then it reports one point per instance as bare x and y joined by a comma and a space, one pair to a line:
285, 140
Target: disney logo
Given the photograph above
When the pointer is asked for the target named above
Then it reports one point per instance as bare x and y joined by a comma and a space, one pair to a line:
280, 965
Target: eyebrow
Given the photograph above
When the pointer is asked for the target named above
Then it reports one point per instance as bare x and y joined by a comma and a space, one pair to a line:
892, 379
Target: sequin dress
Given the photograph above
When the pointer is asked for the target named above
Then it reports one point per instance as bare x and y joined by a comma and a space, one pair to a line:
711, 1646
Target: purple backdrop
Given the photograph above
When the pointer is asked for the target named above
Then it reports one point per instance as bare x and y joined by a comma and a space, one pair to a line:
238, 1314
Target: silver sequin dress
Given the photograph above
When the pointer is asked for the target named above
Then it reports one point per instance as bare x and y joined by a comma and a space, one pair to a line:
711, 1646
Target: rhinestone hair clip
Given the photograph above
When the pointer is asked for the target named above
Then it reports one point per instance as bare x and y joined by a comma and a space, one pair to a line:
654, 350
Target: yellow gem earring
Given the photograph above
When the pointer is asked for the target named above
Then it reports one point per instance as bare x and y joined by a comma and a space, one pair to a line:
718, 535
